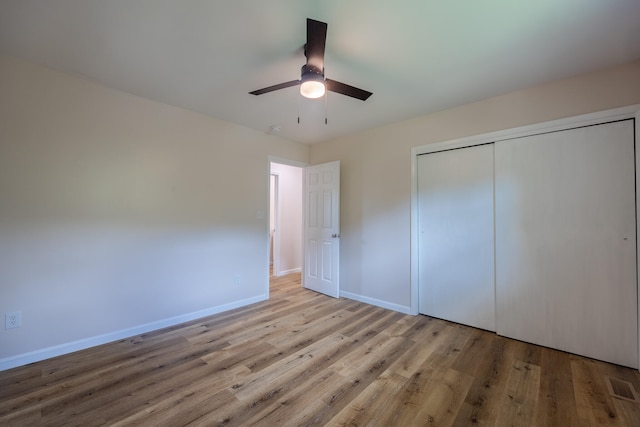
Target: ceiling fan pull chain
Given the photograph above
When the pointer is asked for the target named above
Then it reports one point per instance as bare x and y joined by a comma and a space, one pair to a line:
325, 107
298, 97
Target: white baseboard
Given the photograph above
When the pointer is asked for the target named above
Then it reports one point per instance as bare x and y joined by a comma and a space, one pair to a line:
285, 272
58, 350
378, 303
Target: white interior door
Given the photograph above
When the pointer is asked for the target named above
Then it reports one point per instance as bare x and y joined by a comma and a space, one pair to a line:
455, 243
566, 241
322, 229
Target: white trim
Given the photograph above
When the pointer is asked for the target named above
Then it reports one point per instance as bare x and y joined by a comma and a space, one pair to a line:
413, 234
637, 165
378, 303
58, 350
283, 161
622, 113
293, 270
276, 221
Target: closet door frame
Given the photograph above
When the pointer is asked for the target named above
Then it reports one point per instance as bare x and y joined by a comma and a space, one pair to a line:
629, 112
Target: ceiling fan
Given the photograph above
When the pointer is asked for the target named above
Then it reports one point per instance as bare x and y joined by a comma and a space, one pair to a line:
312, 82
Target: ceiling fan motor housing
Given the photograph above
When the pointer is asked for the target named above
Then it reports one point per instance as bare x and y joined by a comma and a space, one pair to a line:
309, 72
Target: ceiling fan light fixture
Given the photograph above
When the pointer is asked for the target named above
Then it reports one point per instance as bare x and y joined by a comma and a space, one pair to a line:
312, 89
312, 85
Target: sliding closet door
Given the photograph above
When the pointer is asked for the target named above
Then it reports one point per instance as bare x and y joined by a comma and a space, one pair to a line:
455, 220
566, 241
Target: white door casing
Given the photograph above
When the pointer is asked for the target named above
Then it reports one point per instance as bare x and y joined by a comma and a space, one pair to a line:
456, 245
322, 229
274, 224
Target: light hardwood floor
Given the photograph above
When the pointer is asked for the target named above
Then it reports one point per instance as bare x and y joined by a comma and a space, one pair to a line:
302, 358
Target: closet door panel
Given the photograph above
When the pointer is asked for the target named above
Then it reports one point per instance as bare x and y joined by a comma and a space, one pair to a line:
566, 241
456, 248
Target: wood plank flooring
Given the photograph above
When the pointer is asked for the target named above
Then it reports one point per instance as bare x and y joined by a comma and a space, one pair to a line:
302, 358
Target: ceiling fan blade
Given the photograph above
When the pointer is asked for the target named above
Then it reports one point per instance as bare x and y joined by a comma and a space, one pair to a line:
275, 87
316, 39
345, 89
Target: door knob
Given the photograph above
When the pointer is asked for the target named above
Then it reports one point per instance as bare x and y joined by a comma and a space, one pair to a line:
335, 235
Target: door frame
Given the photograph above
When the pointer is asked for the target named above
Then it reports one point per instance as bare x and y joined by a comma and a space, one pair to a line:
622, 113
275, 244
282, 161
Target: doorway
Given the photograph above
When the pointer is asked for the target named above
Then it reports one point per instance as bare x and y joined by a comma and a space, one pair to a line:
285, 218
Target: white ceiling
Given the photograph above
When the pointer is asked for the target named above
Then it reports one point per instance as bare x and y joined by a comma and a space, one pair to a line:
416, 56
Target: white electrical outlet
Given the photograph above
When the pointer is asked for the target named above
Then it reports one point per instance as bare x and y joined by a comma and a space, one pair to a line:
236, 280
13, 319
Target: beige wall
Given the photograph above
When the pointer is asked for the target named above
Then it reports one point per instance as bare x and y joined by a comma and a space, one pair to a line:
118, 214
376, 170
